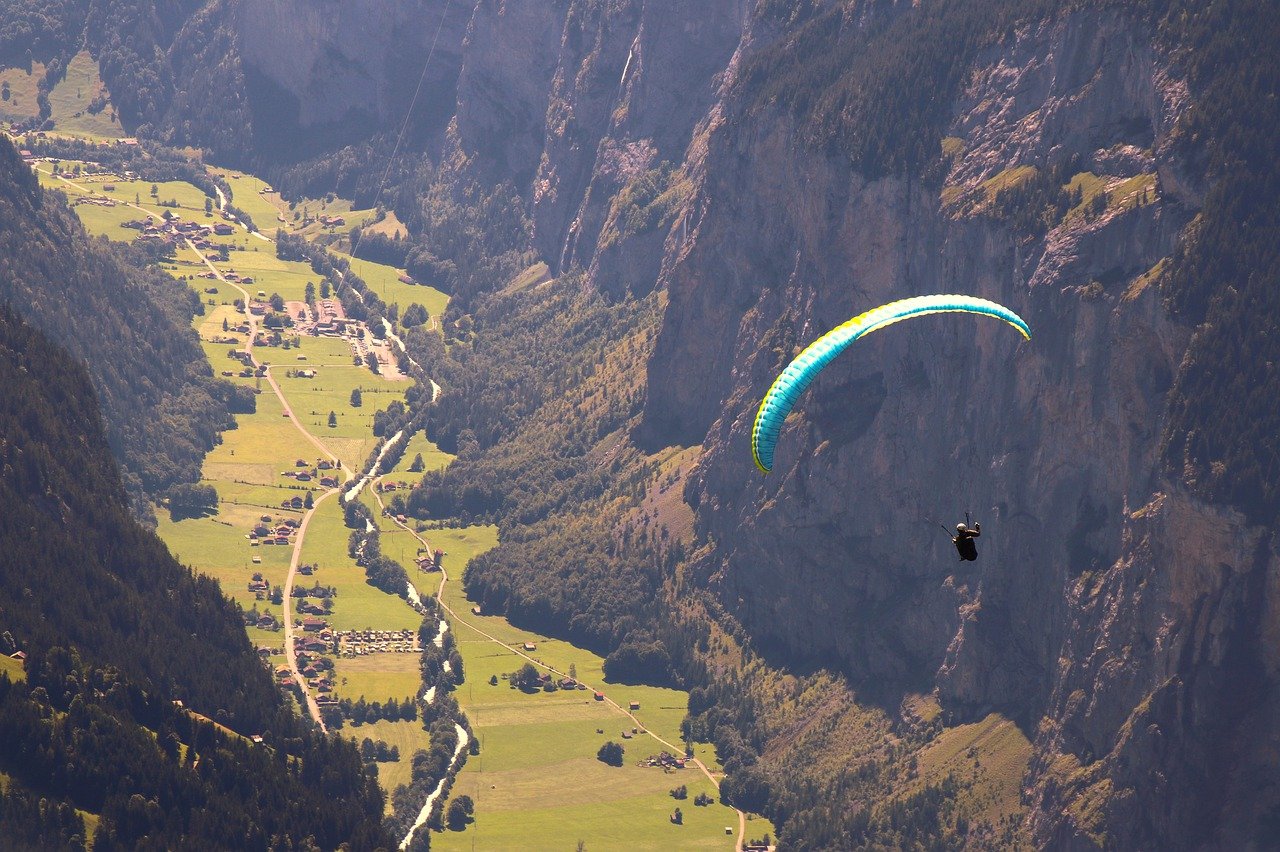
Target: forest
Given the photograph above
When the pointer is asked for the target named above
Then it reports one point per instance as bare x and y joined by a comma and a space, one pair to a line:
124, 646
128, 322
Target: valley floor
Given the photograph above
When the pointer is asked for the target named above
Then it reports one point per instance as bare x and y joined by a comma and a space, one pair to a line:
536, 782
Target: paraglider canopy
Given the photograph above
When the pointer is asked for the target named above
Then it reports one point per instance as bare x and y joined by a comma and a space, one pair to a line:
800, 373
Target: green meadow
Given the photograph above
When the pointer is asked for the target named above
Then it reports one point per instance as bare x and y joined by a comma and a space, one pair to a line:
537, 783
408, 737
378, 677
23, 91
385, 282
70, 100
358, 605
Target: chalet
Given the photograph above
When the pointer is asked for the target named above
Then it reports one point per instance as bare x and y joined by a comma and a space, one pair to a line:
266, 622
529, 646
626, 735
256, 739
634, 705
305, 570
405, 279
257, 309
303, 477
325, 465
567, 683
292, 523
599, 696
282, 672
329, 481
296, 503
313, 625
18, 655
300, 463
475, 610
223, 230
315, 645
264, 652
248, 279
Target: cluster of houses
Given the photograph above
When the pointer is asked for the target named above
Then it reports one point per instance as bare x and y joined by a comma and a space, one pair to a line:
269, 532
356, 643
321, 472
664, 759
330, 320
175, 228
261, 620
316, 669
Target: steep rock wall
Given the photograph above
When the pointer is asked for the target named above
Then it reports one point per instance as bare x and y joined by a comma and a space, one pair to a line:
1126, 631
330, 62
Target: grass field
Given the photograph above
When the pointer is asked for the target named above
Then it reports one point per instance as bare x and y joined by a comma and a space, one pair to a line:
990, 755
70, 99
358, 604
433, 458
385, 281
21, 103
246, 193
536, 782
406, 736
12, 667
378, 677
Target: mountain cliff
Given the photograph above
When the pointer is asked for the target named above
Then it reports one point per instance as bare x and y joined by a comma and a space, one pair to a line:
1120, 610
757, 172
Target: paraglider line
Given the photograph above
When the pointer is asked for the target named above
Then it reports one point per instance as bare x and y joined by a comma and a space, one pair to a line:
377, 198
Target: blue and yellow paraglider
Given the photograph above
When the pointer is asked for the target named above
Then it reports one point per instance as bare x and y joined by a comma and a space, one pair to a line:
800, 373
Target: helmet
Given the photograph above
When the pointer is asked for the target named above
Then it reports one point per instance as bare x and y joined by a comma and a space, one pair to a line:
961, 528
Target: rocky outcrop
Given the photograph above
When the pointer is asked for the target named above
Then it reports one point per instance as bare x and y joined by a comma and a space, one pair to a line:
629, 83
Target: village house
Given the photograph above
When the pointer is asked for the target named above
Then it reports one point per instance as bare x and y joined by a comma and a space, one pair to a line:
312, 625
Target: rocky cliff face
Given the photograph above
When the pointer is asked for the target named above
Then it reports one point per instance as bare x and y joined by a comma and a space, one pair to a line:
1121, 619
1122, 623
321, 64
625, 85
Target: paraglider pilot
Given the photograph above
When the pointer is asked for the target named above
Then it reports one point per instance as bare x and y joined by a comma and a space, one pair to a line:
963, 540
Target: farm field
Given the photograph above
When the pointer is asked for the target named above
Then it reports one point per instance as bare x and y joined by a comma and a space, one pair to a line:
358, 605
379, 677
